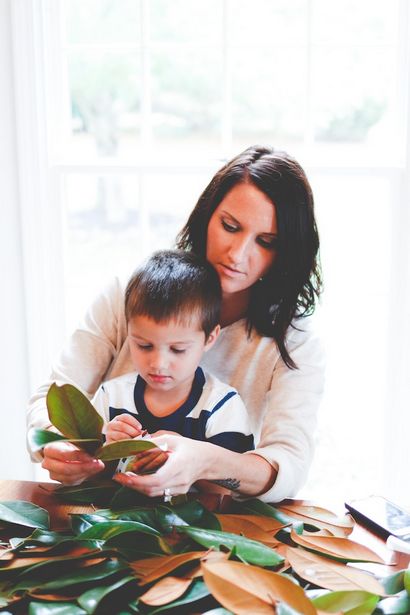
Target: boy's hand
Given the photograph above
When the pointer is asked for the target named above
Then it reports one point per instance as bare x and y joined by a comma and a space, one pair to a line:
123, 427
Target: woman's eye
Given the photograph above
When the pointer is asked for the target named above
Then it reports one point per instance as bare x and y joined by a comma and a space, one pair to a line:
231, 228
269, 244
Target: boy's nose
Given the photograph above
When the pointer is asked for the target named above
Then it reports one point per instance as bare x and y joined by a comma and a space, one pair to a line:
158, 361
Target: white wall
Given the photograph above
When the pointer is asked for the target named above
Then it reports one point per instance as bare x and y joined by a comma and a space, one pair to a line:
14, 461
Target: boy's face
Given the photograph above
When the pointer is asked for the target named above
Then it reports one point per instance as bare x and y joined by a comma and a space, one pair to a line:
166, 354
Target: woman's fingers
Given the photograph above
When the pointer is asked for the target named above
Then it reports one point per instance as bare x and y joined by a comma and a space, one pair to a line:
68, 464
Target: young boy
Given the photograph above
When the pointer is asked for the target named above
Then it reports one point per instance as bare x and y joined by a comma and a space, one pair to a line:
172, 306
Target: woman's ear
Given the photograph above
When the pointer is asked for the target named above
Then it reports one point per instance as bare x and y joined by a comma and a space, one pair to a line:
213, 336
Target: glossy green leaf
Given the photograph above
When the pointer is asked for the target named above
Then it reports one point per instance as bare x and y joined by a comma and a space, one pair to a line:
251, 551
397, 605
43, 538
55, 608
346, 601
71, 412
108, 529
89, 492
196, 592
123, 448
194, 513
125, 497
103, 598
140, 546
141, 514
38, 438
93, 573
24, 513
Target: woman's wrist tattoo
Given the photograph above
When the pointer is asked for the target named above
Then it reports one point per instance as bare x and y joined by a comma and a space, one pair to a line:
230, 483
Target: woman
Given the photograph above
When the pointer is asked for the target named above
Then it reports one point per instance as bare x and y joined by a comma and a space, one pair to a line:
255, 223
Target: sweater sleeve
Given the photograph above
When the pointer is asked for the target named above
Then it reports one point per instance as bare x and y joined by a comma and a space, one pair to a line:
287, 435
87, 356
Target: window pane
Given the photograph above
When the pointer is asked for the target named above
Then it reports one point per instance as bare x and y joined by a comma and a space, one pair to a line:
186, 22
263, 22
105, 94
102, 21
186, 96
268, 103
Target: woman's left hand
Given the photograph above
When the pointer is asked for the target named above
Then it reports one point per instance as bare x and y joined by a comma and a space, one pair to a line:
185, 465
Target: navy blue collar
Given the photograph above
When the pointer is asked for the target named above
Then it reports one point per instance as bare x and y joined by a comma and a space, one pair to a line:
172, 421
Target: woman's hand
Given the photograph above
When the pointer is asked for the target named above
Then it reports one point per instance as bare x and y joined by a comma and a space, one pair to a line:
68, 464
184, 465
123, 427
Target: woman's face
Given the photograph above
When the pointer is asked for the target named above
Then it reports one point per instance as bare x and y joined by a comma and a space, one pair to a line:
241, 238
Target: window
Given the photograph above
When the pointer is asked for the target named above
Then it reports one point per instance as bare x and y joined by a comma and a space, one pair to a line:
142, 100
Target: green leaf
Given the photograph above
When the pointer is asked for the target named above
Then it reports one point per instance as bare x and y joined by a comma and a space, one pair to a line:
197, 590
397, 605
125, 497
38, 438
144, 546
393, 583
103, 598
346, 601
24, 513
89, 492
194, 513
108, 529
143, 515
55, 608
407, 581
123, 448
251, 551
95, 572
72, 413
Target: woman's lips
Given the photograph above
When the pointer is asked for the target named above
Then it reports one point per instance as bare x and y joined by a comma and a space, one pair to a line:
231, 272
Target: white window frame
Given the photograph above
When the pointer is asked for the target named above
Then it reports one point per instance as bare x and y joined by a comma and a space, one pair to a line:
40, 210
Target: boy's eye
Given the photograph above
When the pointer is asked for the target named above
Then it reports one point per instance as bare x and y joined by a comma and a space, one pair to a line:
231, 228
178, 350
144, 346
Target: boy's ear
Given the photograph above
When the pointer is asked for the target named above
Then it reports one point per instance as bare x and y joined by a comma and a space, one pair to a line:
213, 336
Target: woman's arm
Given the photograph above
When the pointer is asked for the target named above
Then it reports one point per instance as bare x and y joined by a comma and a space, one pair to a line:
95, 349
191, 460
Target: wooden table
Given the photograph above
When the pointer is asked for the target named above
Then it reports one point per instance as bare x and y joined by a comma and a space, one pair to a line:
42, 495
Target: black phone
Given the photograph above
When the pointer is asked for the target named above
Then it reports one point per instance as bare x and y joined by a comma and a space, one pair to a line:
381, 515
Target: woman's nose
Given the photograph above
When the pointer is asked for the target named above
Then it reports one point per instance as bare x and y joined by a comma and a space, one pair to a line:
239, 249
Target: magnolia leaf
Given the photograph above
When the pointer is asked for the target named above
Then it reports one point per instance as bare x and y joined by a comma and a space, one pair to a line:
397, 605
407, 580
194, 513
24, 513
320, 518
331, 575
337, 547
393, 583
93, 573
196, 592
165, 591
247, 589
103, 598
71, 412
239, 524
251, 551
123, 448
89, 492
146, 545
346, 601
108, 529
66, 608
153, 568
268, 524
38, 438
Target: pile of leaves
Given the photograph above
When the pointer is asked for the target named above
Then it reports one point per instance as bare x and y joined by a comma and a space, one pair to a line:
141, 556
183, 558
